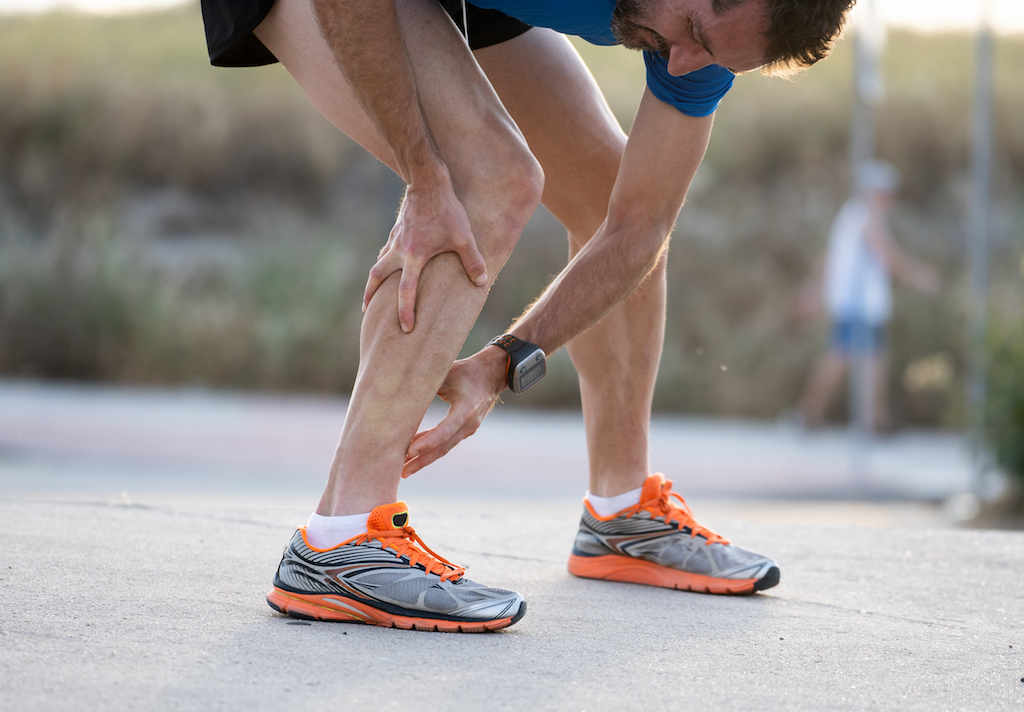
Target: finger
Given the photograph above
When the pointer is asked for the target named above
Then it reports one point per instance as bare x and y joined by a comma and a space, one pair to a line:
407, 296
454, 422
433, 455
412, 451
424, 443
473, 262
413, 466
432, 438
380, 271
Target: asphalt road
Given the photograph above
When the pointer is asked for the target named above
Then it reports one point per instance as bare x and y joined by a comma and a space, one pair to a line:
140, 531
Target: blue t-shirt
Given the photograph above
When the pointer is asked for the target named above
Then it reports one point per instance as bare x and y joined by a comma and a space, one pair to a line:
694, 94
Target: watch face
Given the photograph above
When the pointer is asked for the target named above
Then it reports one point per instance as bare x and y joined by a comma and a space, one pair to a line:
529, 371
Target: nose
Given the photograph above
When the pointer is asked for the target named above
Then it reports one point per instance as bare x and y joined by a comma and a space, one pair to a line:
685, 60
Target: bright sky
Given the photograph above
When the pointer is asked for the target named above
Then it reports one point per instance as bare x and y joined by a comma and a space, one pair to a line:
928, 15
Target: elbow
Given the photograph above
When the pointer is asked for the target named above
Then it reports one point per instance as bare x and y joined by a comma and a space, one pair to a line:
646, 233
640, 241
649, 227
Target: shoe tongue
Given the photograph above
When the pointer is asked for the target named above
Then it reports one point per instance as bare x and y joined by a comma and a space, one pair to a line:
387, 517
652, 487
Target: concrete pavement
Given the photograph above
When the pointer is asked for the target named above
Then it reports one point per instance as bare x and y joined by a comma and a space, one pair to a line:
140, 534
285, 443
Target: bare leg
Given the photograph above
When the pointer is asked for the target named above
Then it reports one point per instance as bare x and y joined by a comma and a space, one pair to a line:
498, 182
554, 99
826, 375
570, 130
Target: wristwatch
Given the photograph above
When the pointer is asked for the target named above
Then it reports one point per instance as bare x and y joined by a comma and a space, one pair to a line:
526, 362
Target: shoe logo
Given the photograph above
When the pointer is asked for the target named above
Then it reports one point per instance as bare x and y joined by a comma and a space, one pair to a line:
399, 520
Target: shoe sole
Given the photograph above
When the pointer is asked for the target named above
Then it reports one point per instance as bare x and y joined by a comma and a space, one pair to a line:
320, 607
626, 570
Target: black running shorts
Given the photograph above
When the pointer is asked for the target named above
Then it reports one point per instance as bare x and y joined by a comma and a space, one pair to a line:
231, 43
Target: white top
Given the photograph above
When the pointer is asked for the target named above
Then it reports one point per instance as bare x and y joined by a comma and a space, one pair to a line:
856, 282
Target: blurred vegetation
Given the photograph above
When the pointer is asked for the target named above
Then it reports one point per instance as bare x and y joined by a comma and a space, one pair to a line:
1004, 415
162, 221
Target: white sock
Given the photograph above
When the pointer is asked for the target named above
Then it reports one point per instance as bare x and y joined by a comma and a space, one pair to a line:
327, 532
607, 506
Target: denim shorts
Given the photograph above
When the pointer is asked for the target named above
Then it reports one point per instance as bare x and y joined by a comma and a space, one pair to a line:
856, 337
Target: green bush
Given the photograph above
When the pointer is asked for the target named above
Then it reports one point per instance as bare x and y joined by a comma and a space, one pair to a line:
93, 305
1004, 412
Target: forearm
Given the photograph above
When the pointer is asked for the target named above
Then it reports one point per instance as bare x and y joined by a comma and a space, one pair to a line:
648, 194
366, 39
900, 264
368, 46
604, 273
659, 162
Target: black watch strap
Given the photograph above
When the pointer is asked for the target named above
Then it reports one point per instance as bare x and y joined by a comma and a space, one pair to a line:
517, 351
509, 343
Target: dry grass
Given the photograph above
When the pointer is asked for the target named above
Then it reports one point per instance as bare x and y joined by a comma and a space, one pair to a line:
164, 221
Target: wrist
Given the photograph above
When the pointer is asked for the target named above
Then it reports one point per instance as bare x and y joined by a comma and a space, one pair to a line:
526, 362
494, 362
424, 169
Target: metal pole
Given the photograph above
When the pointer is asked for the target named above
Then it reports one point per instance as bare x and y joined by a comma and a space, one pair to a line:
979, 227
869, 41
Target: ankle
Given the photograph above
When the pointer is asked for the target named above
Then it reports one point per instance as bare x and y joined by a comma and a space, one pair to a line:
327, 532
607, 506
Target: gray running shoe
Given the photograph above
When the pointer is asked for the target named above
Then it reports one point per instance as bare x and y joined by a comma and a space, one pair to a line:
657, 542
387, 577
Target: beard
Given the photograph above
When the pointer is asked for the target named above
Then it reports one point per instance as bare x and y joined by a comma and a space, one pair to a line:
630, 20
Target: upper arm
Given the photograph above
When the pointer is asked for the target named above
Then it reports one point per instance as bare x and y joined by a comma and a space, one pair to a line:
664, 149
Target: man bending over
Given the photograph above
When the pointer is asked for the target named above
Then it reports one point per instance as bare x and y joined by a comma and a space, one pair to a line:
481, 132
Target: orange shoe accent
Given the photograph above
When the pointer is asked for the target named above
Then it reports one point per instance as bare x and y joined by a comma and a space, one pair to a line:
388, 516
389, 524
614, 567
325, 607
656, 497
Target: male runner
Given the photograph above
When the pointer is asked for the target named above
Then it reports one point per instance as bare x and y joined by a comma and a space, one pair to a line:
470, 129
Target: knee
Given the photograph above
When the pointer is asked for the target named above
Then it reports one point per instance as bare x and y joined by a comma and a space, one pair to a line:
525, 189
517, 190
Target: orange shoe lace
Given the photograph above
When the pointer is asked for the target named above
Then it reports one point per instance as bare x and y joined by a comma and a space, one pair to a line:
406, 542
678, 514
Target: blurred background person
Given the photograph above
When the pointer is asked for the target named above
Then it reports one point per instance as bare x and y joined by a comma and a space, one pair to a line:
854, 284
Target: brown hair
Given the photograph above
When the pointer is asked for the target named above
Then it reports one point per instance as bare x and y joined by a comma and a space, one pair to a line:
800, 32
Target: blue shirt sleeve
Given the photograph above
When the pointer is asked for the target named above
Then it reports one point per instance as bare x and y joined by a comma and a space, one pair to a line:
694, 94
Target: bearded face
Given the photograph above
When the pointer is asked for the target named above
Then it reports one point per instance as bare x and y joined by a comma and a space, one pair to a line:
631, 27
